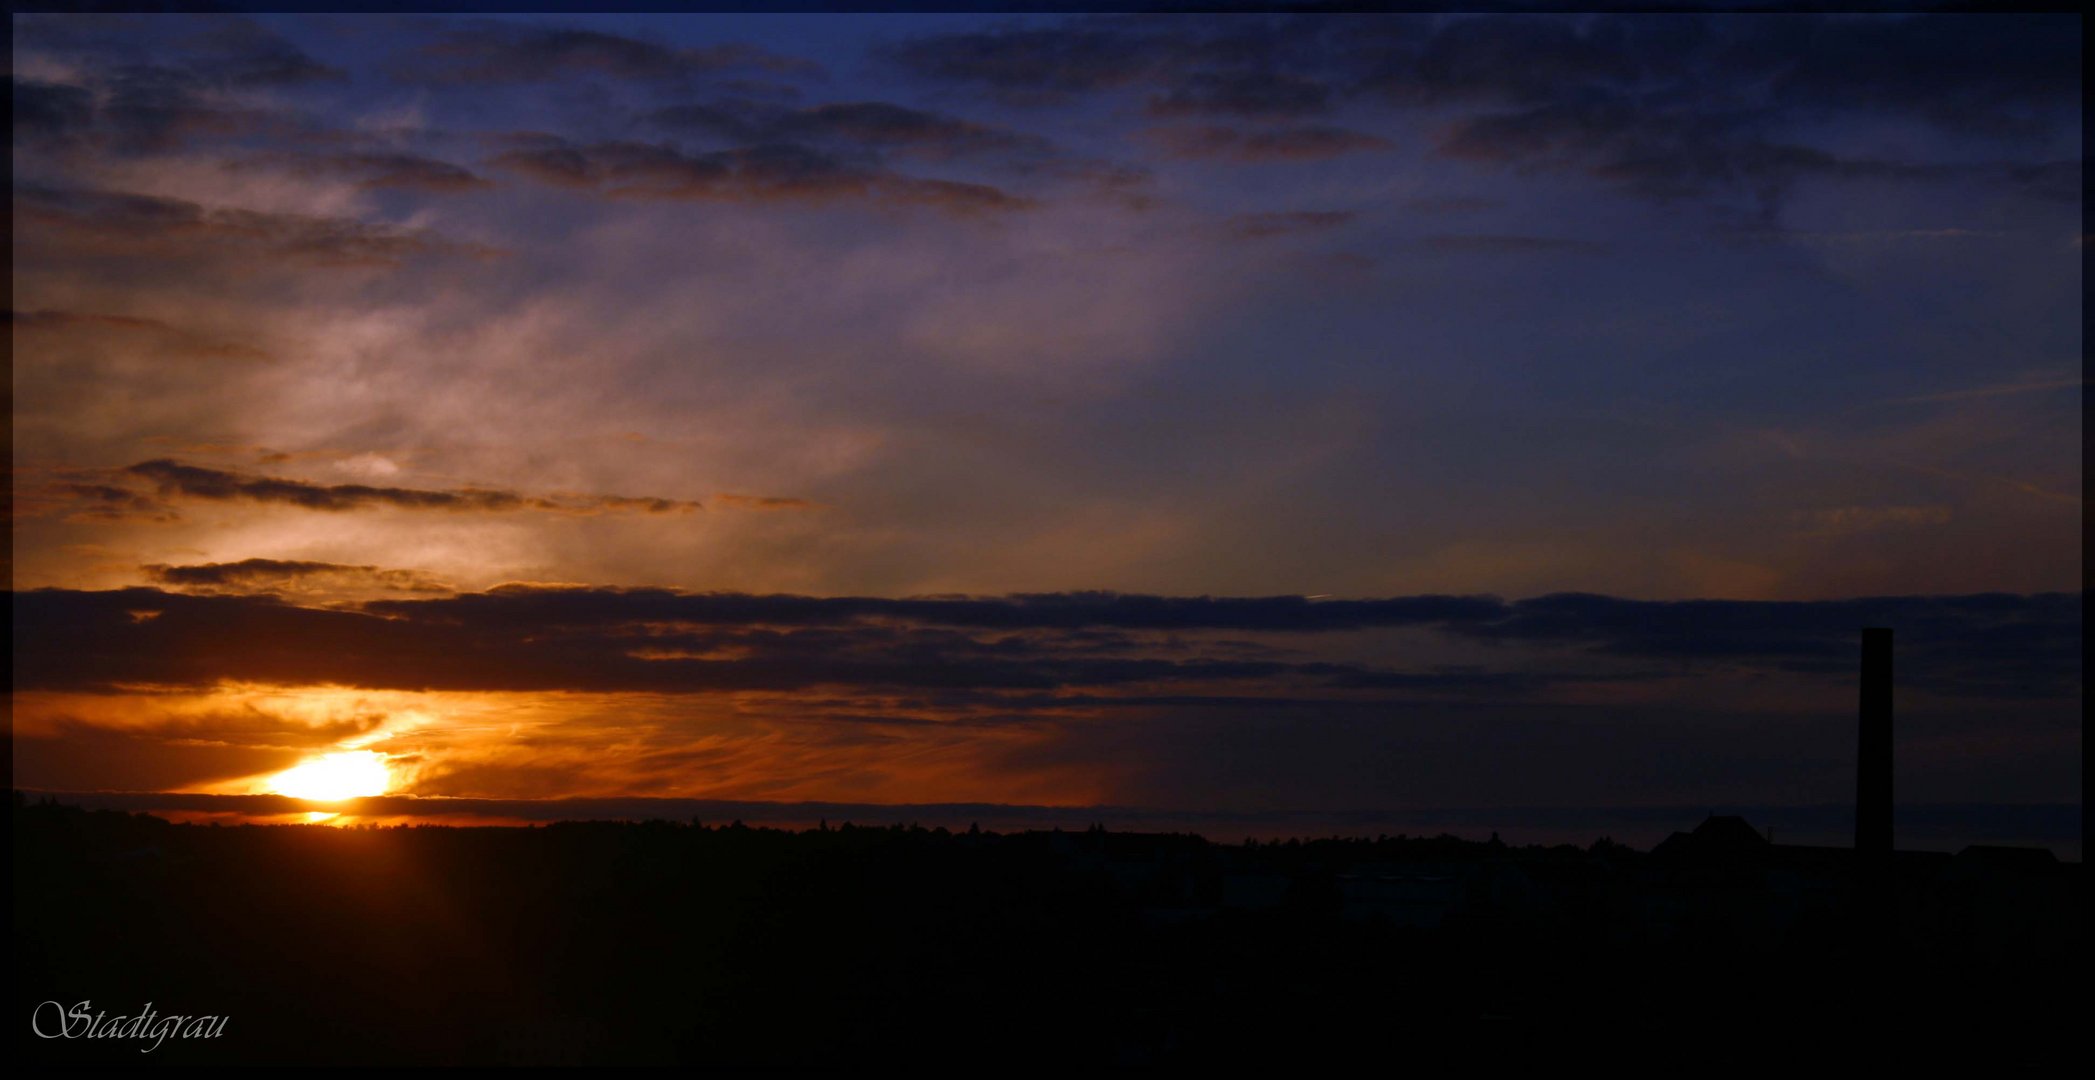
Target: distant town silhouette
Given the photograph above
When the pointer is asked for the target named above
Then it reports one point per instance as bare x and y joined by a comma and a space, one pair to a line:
722, 944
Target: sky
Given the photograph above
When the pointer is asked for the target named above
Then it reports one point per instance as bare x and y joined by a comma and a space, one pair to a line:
1239, 415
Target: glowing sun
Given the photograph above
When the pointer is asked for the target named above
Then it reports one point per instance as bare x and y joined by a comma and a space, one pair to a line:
349, 774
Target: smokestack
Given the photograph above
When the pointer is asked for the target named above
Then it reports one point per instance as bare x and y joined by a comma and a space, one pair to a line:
1873, 755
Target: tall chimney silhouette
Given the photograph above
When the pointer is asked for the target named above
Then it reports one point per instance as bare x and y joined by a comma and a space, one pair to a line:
1873, 756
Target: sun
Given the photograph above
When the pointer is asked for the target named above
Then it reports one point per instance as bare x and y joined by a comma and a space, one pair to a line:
348, 774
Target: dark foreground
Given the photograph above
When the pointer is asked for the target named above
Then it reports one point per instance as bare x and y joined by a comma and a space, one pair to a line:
674, 944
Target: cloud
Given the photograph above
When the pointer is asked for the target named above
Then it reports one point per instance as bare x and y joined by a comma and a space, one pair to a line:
774, 172
1264, 144
173, 479
492, 53
661, 641
634, 642
1673, 155
762, 502
372, 171
168, 339
1243, 93
368, 465
1037, 65
217, 50
2059, 181
1944, 69
873, 124
144, 85
74, 754
1062, 611
49, 112
1697, 107
199, 641
1665, 107
141, 111
1200, 702
249, 575
133, 225
1242, 65
1514, 58
104, 502
1948, 70
1993, 644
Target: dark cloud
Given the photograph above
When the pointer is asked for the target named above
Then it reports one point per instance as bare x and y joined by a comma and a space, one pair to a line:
484, 53
762, 502
240, 52
1666, 106
1995, 76
373, 170
49, 111
765, 173
1997, 645
2059, 181
249, 575
1059, 611
1805, 635
1241, 65
166, 338
150, 85
1243, 93
173, 479
139, 111
655, 640
105, 502
1510, 58
217, 50
877, 125
94, 639
1038, 65
121, 223
1699, 106
98, 758
1673, 155
1313, 143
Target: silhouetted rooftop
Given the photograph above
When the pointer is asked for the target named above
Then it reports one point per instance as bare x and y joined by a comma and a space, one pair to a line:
2026, 860
1719, 836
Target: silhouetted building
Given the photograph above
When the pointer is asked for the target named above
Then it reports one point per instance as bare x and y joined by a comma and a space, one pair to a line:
1719, 839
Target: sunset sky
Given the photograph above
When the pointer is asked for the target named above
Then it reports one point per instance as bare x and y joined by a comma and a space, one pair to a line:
1238, 415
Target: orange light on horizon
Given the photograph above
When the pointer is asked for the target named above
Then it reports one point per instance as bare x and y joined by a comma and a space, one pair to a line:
346, 774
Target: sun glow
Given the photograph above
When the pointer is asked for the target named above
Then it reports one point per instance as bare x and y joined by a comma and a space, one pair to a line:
348, 774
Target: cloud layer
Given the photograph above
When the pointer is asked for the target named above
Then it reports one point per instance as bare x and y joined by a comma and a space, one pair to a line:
656, 640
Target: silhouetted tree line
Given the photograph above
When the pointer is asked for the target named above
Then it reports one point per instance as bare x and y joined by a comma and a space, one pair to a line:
850, 945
